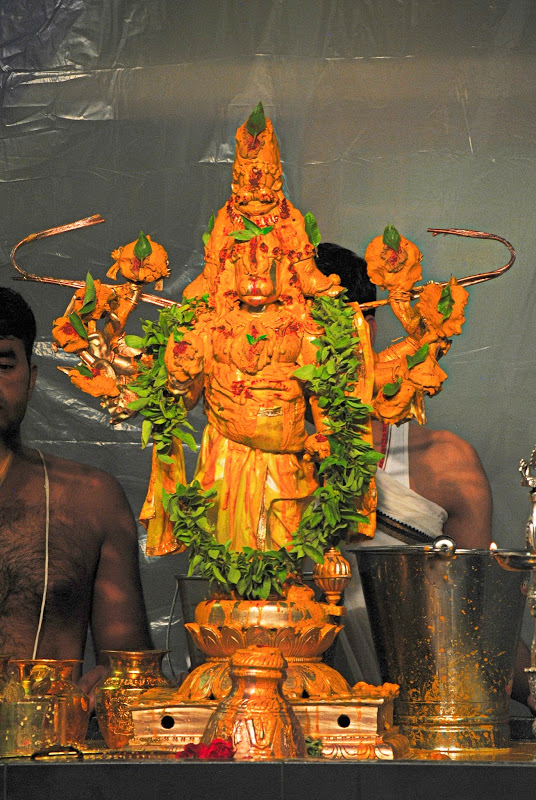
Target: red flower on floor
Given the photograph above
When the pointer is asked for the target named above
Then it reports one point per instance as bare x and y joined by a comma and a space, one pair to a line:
218, 749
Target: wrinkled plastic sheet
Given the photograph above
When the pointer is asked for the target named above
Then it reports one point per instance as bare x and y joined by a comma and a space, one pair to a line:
415, 114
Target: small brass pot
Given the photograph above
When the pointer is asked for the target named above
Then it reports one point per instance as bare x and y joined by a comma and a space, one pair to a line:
132, 672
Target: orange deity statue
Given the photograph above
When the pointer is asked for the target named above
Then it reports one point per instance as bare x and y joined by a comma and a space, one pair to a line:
252, 343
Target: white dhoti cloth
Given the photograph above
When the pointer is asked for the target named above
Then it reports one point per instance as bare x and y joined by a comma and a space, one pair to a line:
355, 655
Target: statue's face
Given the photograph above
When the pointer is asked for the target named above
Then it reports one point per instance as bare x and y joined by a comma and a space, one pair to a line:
255, 191
257, 274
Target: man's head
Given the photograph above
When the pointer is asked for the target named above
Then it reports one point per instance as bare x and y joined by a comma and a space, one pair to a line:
17, 374
352, 270
17, 319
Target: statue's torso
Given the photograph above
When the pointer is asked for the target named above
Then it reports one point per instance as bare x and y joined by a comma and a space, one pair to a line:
251, 395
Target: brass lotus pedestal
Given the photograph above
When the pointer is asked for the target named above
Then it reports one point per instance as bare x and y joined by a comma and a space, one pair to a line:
352, 722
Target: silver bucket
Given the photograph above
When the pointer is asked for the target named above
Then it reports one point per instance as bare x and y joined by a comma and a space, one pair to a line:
446, 626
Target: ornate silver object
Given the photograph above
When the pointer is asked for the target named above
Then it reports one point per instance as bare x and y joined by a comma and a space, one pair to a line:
528, 471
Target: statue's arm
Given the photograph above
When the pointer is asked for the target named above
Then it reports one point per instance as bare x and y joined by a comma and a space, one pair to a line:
185, 361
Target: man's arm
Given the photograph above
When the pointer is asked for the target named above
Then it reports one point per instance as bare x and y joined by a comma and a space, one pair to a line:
447, 470
118, 616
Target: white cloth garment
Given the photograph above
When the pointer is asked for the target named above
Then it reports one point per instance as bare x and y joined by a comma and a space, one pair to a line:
355, 655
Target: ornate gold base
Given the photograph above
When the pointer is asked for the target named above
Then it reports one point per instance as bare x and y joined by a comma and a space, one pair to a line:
352, 722
350, 730
297, 624
306, 678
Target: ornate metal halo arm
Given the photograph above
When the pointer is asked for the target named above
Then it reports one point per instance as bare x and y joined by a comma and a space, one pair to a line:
70, 226
79, 223
470, 280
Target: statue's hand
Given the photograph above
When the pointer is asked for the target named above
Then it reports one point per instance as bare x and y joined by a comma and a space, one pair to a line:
98, 346
316, 447
184, 359
117, 406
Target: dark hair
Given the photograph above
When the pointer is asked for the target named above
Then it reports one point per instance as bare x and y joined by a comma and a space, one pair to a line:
351, 268
17, 319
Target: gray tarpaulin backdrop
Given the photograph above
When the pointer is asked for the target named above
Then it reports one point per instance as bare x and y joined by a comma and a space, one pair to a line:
418, 114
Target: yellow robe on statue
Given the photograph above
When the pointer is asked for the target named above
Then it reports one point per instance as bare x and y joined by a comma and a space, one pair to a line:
260, 496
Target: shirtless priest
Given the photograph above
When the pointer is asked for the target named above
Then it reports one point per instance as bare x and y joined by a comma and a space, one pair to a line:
68, 541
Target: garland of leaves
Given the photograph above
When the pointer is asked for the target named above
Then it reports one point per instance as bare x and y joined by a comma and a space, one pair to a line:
164, 412
345, 474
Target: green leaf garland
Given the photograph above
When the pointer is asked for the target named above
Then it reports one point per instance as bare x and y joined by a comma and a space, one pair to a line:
164, 413
345, 475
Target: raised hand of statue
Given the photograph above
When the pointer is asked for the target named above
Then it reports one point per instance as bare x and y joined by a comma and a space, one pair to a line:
107, 364
184, 360
408, 370
316, 447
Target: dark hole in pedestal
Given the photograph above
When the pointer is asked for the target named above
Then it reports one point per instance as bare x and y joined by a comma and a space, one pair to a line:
167, 721
343, 721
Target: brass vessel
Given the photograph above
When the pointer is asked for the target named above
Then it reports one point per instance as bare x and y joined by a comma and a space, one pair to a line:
42, 707
132, 672
256, 716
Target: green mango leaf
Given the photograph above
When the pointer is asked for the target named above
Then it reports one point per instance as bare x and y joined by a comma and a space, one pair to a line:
217, 574
256, 121
188, 440
249, 225
446, 302
305, 373
418, 357
390, 389
311, 229
165, 459
146, 429
90, 296
234, 575
142, 248
83, 370
136, 405
242, 236
210, 228
78, 325
313, 553
392, 238
137, 342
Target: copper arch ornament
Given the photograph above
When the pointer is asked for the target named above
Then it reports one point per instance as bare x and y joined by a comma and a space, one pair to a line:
469, 280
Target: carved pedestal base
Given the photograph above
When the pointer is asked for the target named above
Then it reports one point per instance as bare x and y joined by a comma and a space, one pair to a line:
352, 722
351, 729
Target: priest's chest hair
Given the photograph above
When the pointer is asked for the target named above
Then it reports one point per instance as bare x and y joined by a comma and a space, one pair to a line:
22, 561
